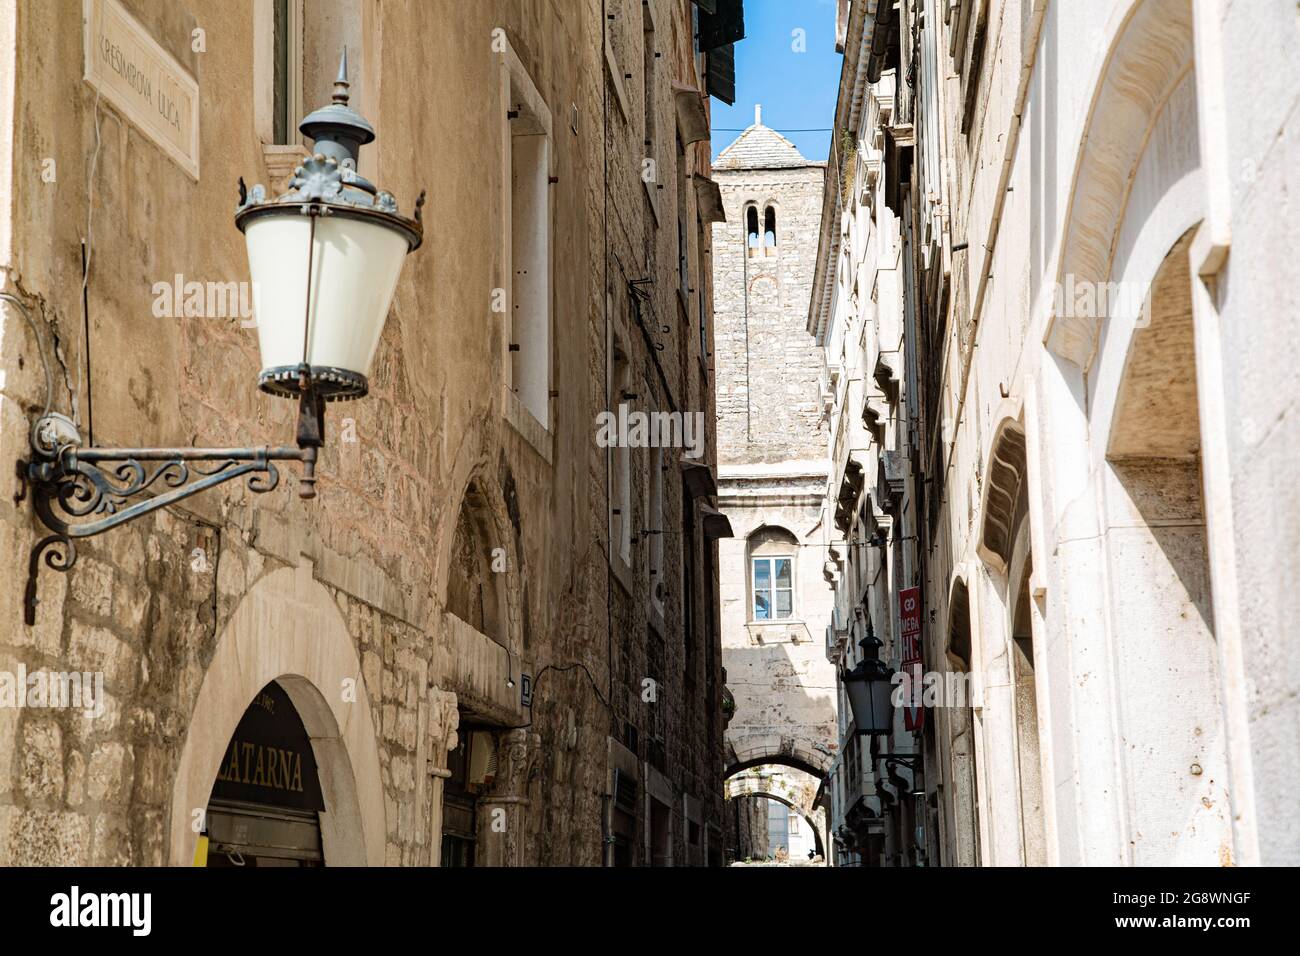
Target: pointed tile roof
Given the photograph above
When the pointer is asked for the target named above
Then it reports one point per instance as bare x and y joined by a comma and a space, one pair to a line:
760, 147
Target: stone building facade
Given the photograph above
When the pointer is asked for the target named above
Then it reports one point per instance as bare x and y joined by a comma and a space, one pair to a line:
1091, 201
859, 315
464, 622
771, 460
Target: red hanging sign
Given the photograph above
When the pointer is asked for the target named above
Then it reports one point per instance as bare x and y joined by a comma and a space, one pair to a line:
909, 616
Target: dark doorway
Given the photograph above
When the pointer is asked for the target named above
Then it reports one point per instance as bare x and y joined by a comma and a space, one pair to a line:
265, 803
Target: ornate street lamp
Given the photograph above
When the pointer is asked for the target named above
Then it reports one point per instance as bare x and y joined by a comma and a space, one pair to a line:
869, 687
324, 259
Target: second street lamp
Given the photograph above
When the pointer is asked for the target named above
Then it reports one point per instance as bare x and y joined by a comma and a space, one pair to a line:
324, 259
869, 687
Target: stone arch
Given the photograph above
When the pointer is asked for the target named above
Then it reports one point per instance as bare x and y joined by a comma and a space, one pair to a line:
757, 750
1022, 668
816, 820
1013, 774
474, 587
1004, 495
288, 629
794, 786
958, 643
1138, 193
1149, 59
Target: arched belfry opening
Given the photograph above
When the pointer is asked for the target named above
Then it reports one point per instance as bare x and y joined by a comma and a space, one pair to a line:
752, 238
769, 228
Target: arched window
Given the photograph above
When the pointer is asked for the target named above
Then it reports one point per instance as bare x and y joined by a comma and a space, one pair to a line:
772, 553
751, 227
769, 228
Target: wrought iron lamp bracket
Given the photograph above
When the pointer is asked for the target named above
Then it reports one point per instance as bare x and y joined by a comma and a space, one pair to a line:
80, 492
907, 760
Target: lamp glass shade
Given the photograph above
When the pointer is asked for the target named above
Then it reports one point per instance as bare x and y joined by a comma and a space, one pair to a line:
355, 264
870, 693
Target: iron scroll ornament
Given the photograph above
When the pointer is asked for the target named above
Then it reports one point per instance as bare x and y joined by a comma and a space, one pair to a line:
81, 492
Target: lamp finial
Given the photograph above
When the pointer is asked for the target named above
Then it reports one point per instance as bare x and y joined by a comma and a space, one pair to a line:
341, 84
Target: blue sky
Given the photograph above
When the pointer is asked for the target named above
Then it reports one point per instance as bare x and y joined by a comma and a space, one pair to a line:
797, 90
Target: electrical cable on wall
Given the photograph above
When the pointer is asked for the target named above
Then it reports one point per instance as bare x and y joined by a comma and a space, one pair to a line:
565, 668
86, 251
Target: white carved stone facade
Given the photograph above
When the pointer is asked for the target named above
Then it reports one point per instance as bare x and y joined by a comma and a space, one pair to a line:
1096, 203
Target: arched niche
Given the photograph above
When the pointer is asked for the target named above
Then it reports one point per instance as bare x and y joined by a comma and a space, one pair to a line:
476, 569
1169, 716
482, 541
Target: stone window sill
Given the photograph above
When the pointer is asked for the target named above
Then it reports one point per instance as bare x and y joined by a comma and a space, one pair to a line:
526, 426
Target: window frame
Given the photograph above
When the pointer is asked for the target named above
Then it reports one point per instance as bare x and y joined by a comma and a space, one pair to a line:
772, 590
527, 402
655, 495
274, 107
620, 455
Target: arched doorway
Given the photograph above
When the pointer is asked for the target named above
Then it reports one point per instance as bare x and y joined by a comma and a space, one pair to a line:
266, 799
288, 629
